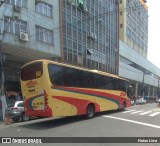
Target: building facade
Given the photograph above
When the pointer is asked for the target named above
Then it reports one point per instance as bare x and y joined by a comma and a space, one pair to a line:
107, 35
89, 33
29, 30
79, 32
133, 34
133, 25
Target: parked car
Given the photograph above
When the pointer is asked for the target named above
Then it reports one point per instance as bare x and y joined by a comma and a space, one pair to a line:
132, 102
140, 101
16, 111
157, 100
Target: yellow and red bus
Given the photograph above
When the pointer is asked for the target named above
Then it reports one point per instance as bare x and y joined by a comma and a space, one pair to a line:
53, 89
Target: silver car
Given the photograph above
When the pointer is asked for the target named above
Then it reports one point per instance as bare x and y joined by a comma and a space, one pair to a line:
158, 100
132, 102
140, 101
16, 111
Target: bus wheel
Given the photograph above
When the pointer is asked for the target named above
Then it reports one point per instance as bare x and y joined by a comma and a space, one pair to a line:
90, 111
123, 106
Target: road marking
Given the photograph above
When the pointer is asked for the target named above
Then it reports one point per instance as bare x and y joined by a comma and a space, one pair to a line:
156, 113
129, 111
145, 113
132, 121
137, 112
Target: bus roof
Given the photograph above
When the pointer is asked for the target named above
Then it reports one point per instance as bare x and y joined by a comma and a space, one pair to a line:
76, 67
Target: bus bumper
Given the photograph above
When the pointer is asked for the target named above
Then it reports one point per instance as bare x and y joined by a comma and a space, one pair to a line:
40, 113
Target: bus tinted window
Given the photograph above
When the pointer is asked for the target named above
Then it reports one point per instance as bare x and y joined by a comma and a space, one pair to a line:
65, 76
31, 71
119, 85
56, 74
103, 82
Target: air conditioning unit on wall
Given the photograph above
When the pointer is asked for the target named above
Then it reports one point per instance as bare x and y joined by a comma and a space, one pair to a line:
24, 36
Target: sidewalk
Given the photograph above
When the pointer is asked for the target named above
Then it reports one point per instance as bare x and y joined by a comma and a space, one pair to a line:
2, 124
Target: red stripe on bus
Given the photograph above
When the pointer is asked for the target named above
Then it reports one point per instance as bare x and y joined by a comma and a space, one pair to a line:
80, 104
97, 93
91, 92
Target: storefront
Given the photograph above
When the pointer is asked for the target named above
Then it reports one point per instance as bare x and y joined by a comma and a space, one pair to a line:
11, 83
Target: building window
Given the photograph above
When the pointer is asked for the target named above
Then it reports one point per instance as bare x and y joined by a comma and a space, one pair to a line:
43, 8
21, 3
15, 26
44, 35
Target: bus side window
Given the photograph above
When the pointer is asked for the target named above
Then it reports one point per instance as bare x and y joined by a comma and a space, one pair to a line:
119, 85
56, 75
109, 83
88, 80
100, 82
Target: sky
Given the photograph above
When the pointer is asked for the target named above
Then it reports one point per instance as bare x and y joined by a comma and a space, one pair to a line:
154, 32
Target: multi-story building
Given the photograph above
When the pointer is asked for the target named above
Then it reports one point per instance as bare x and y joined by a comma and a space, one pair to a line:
89, 33
29, 29
134, 25
75, 31
133, 34
80, 32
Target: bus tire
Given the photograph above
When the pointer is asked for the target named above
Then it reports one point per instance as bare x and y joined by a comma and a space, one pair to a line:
90, 111
123, 106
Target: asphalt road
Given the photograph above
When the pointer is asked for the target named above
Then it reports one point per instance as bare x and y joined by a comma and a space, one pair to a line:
137, 121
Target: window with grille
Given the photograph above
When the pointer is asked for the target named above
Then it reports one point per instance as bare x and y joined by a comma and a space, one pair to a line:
14, 26
44, 35
21, 3
44, 8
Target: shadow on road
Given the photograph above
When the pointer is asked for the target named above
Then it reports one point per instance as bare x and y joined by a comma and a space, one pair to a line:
47, 123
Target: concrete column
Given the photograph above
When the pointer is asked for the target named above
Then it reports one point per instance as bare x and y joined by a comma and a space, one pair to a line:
148, 90
136, 89
4, 106
153, 92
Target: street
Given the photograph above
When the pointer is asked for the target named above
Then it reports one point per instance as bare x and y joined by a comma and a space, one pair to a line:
137, 121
